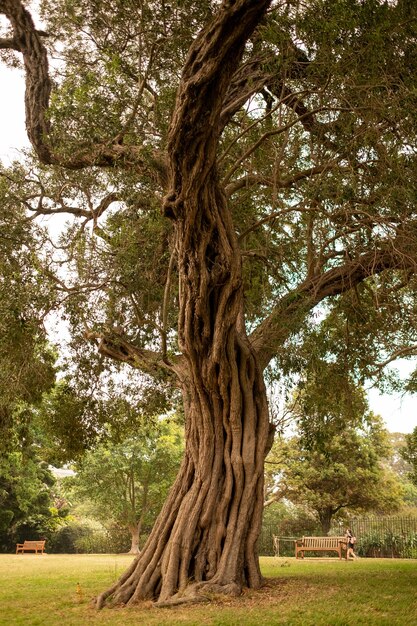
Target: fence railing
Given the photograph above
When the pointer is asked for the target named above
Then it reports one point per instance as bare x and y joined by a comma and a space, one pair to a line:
393, 536
266, 543
387, 537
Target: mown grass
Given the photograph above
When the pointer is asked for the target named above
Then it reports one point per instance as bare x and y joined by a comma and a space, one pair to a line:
42, 590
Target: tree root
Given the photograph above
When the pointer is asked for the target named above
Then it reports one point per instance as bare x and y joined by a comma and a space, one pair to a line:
177, 601
200, 592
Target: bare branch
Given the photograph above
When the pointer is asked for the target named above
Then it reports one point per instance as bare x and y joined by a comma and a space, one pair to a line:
245, 182
277, 495
410, 350
283, 183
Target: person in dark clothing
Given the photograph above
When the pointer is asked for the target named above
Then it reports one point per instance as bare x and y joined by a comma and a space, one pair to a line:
350, 540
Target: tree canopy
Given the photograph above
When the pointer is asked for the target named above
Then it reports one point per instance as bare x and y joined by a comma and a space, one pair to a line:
26, 360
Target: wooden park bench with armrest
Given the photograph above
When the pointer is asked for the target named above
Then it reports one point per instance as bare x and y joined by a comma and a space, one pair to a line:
37, 547
320, 544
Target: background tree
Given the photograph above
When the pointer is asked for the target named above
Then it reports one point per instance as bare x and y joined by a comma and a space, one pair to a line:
346, 474
338, 458
26, 498
26, 359
409, 454
401, 468
277, 139
127, 482
397, 462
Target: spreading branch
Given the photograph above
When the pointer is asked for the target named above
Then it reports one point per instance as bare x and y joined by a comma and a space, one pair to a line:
400, 353
290, 311
116, 347
28, 41
281, 183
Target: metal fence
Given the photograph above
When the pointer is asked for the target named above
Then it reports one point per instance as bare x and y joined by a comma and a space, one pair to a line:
394, 536
387, 537
285, 545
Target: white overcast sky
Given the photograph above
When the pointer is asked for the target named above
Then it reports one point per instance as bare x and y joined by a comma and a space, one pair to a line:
399, 412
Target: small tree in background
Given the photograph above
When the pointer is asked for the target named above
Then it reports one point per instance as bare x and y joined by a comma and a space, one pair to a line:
346, 474
126, 482
335, 461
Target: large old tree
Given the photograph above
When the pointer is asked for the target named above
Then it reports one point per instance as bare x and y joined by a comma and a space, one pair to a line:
278, 139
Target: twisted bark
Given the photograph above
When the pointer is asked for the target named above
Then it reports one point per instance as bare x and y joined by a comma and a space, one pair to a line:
205, 537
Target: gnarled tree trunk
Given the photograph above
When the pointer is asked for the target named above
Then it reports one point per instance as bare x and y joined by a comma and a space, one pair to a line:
207, 531
205, 538
206, 534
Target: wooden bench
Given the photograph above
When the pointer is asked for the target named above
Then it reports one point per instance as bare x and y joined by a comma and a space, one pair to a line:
320, 544
31, 546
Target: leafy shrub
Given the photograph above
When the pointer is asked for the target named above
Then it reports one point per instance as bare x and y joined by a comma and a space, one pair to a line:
92, 543
112, 541
388, 544
64, 540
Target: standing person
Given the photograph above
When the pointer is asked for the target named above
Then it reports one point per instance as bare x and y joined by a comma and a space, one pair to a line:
350, 540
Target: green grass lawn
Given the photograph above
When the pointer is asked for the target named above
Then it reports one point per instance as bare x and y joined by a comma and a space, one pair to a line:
43, 590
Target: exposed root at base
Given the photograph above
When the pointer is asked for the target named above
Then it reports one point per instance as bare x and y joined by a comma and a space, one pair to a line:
178, 601
200, 592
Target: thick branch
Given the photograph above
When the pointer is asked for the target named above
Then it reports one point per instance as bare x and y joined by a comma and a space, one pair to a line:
249, 79
290, 311
9, 44
119, 349
28, 41
38, 84
196, 126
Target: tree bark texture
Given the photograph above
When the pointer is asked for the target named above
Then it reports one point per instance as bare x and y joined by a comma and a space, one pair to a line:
205, 537
134, 539
208, 529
